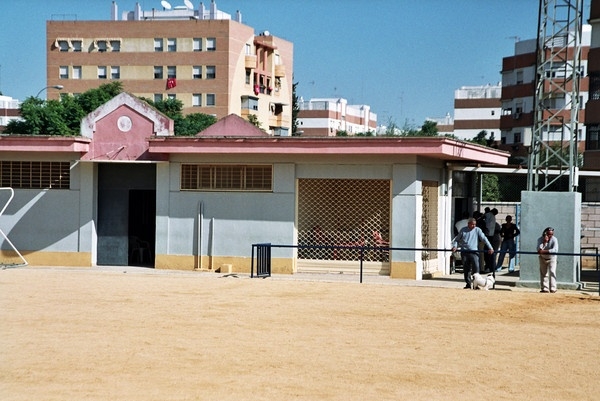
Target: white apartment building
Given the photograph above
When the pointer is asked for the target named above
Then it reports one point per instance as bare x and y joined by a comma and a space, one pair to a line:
326, 117
518, 91
476, 109
9, 110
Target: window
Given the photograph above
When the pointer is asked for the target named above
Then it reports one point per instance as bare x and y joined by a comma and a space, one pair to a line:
115, 45
594, 82
248, 76
197, 72
101, 72
249, 103
197, 100
102, 46
158, 97
115, 72
519, 107
171, 96
210, 99
516, 137
33, 174
158, 72
172, 45
211, 44
76, 44
63, 45
519, 77
171, 71
158, 44
63, 72
76, 72
226, 177
280, 131
197, 44
211, 72
592, 140
248, 49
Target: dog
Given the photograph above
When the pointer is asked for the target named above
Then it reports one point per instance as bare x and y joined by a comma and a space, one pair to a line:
480, 282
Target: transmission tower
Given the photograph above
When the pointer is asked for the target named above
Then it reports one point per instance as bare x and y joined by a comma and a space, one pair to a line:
553, 151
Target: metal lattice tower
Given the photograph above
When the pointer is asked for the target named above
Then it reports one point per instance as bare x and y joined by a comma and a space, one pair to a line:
553, 151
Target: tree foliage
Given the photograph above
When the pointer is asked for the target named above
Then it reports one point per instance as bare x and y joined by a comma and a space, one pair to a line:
63, 117
295, 109
188, 125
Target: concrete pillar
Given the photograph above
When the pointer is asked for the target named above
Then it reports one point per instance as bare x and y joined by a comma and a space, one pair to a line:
562, 211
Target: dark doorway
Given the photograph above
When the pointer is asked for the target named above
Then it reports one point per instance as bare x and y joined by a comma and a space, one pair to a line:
126, 214
142, 226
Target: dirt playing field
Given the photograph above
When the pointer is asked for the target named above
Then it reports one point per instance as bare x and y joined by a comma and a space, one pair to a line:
75, 334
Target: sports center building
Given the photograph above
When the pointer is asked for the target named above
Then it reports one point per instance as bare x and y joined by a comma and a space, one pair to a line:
129, 192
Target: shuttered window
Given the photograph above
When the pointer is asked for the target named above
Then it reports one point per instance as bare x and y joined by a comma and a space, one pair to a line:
203, 177
35, 174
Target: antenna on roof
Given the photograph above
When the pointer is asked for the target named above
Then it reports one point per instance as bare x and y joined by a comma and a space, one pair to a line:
188, 4
166, 5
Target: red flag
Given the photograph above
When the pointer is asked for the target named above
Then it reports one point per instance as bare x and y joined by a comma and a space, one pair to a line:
171, 83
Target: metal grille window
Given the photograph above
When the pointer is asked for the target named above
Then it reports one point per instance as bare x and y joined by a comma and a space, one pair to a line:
35, 175
226, 177
429, 219
594, 82
343, 212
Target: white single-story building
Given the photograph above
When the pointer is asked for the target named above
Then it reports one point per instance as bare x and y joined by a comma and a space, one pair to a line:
127, 191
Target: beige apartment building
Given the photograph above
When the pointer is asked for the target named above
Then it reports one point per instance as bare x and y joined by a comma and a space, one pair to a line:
214, 64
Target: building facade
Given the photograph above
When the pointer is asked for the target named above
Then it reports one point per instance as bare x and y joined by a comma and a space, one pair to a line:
476, 109
212, 63
519, 89
327, 117
591, 157
9, 110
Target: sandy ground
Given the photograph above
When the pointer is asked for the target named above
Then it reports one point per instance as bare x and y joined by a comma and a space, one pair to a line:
74, 334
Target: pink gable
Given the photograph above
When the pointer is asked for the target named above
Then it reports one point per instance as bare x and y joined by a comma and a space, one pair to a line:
232, 125
120, 129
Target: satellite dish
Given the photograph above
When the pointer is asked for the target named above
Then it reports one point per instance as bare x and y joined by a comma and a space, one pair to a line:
188, 4
166, 5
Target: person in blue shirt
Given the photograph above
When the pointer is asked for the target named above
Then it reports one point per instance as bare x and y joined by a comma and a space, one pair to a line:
468, 240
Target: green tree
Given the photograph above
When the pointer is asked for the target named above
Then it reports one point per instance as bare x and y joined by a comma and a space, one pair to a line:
41, 118
63, 118
191, 124
429, 128
482, 139
295, 109
490, 190
391, 128
53, 117
188, 125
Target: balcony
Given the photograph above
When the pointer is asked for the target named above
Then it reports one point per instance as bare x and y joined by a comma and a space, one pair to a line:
250, 61
279, 71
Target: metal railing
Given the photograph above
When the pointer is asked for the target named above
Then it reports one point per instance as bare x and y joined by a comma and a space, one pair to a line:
263, 256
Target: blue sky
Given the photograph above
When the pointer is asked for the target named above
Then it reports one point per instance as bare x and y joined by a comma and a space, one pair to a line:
403, 58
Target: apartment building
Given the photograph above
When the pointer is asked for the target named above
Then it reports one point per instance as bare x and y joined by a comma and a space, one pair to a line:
445, 125
476, 109
327, 117
210, 61
518, 93
9, 110
591, 159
